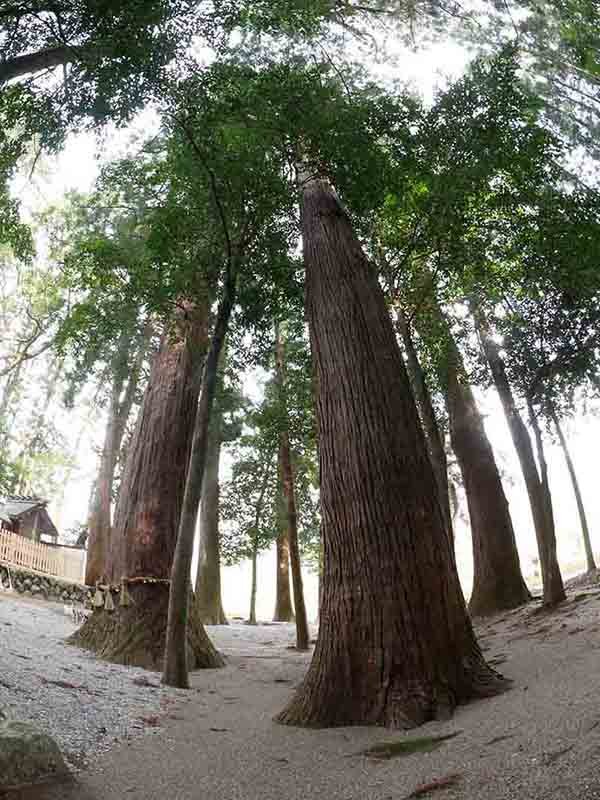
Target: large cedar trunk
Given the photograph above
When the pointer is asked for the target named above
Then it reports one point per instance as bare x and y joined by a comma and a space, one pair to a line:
289, 493
543, 522
395, 646
497, 579
149, 506
208, 578
284, 611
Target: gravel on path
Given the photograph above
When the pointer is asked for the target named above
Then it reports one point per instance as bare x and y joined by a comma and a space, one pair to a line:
85, 704
538, 741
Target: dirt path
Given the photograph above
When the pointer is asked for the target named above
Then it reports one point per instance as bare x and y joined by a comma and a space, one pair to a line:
540, 740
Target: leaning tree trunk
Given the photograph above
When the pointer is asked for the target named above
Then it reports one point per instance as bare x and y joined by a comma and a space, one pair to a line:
431, 428
176, 665
553, 590
497, 579
395, 646
149, 507
208, 578
289, 492
284, 611
585, 531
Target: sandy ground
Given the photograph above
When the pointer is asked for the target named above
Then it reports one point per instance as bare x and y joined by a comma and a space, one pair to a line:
539, 740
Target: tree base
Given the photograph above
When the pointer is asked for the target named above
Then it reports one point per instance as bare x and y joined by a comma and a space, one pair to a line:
322, 701
485, 603
135, 635
213, 616
280, 617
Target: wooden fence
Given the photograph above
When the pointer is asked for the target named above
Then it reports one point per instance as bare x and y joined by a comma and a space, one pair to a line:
57, 561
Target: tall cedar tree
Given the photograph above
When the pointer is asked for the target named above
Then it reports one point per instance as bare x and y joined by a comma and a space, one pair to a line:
497, 580
149, 508
540, 500
396, 646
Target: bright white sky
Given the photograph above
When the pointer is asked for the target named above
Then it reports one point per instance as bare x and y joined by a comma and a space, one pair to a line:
77, 167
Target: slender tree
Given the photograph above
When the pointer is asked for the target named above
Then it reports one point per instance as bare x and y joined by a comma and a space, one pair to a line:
538, 492
289, 493
208, 577
122, 395
180, 620
585, 531
255, 535
433, 434
497, 579
284, 611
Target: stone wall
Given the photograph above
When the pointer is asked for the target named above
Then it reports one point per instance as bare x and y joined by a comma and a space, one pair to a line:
44, 587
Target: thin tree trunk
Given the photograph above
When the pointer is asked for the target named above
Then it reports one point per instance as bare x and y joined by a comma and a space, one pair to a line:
208, 578
431, 428
255, 539
149, 507
175, 672
284, 611
554, 590
99, 522
287, 478
395, 646
253, 560
543, 523
497, 579
585, 531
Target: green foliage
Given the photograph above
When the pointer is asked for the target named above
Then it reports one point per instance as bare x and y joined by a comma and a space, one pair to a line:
259, 445
485, 213
248, 500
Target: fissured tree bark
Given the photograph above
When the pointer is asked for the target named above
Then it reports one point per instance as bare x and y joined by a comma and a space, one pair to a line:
396, 646
149, 507
497, 579
208, 577
538, 492
284, 611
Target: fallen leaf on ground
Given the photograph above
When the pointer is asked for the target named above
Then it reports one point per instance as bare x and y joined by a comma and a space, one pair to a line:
152, 722
501, 738
406, 746
435, 786
142, 680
